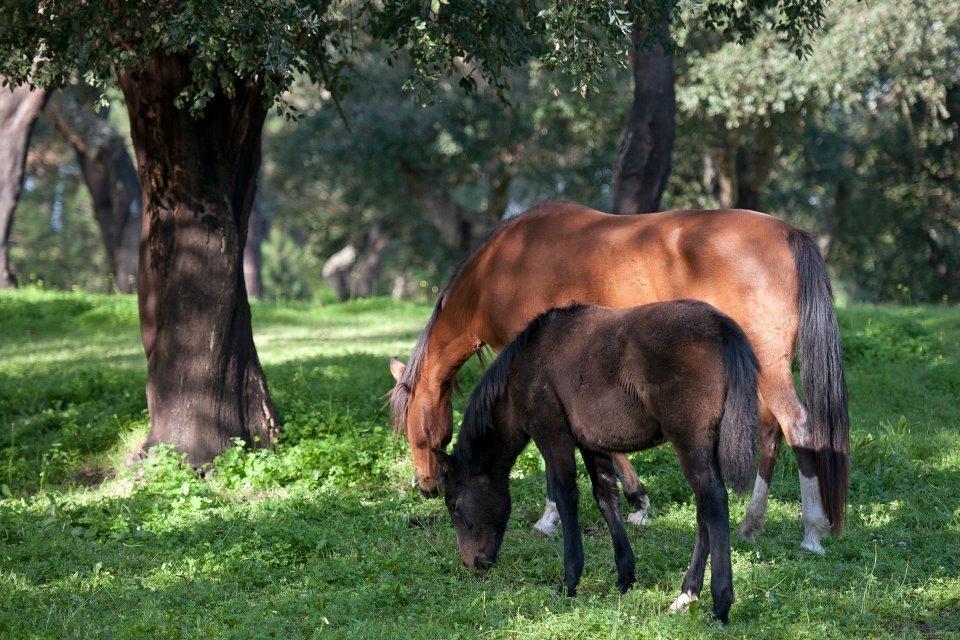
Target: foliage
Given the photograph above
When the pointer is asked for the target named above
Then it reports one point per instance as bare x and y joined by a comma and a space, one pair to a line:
268, 43
325, 537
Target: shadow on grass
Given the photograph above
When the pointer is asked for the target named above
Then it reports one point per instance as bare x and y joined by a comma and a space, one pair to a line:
286, 565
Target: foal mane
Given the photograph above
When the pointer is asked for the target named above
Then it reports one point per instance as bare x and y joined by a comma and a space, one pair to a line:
478, 416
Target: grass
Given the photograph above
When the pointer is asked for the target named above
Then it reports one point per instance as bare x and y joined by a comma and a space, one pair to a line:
324, 537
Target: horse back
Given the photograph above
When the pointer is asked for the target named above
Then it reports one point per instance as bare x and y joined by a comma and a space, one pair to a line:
559, 253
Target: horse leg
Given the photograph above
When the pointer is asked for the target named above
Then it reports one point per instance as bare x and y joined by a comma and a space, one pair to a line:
792, 416
701, 471
604, 481
562, 486
770, 438
549, 523
633, 489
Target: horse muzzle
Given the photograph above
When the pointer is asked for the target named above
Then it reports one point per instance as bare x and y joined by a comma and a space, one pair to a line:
429, 488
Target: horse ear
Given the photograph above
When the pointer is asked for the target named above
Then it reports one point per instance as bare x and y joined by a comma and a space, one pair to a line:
397, 368
444, 460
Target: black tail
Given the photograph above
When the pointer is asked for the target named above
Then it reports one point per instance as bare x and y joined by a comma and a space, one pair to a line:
740, 424
821, 369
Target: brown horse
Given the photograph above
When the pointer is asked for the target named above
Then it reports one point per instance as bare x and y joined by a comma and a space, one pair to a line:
611, 380
765, 274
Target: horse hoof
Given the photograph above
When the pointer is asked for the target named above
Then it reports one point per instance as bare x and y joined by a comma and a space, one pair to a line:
813, 546
749, 529
682, 603
546, 529
639, 518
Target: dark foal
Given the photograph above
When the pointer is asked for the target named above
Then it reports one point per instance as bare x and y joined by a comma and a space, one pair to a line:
604, 381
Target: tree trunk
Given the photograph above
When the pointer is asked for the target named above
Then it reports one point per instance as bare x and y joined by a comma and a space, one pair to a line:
364, 274
336, 271
743, 166
252, 253
754, 163
646, 148
110, 176
198, 174
18, 113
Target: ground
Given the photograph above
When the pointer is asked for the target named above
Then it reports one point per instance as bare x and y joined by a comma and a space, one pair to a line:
325, 537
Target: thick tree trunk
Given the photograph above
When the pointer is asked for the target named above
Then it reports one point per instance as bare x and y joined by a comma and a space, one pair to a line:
252, 253
364, 274
646, 148
110, 176
18, 113
198, 174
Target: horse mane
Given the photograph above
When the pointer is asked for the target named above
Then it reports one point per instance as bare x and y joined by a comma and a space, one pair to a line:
478, 416
403, 389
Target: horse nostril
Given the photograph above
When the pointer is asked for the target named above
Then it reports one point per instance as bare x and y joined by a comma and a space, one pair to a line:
482, 564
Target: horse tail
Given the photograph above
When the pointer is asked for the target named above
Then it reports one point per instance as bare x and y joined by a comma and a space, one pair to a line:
820, 355
740, 424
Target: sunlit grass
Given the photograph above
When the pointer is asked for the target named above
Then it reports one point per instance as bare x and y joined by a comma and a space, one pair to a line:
315, 538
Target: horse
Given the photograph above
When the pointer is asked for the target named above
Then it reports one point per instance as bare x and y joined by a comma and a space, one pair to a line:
603, 381
764, 273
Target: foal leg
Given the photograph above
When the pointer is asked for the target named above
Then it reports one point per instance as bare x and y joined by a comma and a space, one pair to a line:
633, 489
693, 580
562, 487
770, 438
701, 471
604, 481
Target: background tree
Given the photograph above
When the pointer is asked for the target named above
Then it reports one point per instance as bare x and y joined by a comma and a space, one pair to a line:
197, 80
108, 173
19, 108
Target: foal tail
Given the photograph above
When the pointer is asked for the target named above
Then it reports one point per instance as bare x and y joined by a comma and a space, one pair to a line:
740, 424
821, 370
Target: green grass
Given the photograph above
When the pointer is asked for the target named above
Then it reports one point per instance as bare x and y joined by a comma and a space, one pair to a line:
324, 537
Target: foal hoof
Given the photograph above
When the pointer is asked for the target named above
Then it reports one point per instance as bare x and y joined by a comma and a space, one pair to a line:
639, 518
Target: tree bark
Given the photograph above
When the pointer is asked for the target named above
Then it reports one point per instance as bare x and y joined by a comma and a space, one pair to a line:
252, 253
198, 175
646, 148
19, 109
110, 176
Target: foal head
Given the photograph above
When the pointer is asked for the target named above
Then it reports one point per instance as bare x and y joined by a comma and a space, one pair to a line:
479, 508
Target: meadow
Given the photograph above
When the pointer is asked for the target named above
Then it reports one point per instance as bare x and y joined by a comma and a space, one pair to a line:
324, 536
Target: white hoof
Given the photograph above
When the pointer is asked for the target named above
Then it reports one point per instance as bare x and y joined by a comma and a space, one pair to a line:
811, 543
750, 527
639, 518
549, 523
682, 602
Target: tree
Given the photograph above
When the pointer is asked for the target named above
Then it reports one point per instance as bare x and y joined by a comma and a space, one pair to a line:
646, 147
198, 79
19, 108
108, 173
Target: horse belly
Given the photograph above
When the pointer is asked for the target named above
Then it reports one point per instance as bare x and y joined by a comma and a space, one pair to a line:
612, 422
